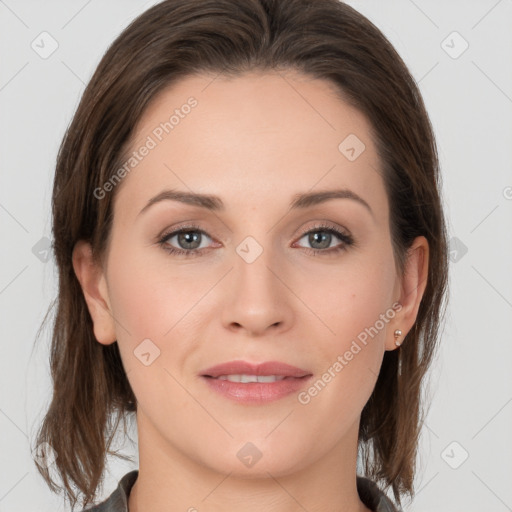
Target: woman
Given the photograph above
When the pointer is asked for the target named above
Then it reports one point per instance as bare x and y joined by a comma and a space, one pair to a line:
252, 259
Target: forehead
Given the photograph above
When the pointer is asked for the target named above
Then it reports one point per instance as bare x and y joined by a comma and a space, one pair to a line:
249, 137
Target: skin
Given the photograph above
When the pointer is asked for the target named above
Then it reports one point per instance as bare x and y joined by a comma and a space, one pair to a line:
254, 141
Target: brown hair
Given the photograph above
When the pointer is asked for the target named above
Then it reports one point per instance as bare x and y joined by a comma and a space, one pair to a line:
325, 39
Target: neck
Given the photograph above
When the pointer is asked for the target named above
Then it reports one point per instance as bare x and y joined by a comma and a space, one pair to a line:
170, 479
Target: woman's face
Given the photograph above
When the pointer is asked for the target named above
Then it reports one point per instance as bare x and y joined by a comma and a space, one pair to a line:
266, 282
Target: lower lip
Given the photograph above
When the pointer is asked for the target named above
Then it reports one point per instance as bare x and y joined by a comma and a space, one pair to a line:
257, 392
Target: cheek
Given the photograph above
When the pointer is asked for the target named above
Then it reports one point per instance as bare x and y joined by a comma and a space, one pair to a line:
351, 360
355, 304
149, 303
351, 297
150, 295
155, 299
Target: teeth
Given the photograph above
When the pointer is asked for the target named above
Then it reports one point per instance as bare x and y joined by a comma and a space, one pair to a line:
251, 378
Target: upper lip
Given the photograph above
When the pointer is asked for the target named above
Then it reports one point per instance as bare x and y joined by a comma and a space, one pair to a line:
243, 367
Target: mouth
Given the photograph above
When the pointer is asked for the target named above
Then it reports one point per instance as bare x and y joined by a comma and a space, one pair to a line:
246, 372
255, 384
247, 379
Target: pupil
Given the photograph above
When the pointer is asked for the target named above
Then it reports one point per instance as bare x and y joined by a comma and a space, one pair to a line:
326, 236
184, 239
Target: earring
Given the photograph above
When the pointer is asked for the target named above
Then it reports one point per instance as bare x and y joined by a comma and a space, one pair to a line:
398, 333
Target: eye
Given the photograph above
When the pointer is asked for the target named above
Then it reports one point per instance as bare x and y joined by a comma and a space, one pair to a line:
321, 238
188, 239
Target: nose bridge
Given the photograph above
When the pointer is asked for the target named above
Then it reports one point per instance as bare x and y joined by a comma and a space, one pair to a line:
255, 258
258, 298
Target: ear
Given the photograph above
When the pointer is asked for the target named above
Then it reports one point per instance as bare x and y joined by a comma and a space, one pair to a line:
94, 286
411, 288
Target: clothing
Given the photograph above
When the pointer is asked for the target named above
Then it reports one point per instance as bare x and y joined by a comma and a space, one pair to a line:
373, 497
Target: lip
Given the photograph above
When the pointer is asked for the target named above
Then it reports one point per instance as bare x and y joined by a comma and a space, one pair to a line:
256, 392
265, 368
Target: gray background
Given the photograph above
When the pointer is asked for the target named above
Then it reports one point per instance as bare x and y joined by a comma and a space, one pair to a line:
469, 98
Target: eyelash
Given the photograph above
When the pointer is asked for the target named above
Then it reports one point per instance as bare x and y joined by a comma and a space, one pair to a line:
324, 228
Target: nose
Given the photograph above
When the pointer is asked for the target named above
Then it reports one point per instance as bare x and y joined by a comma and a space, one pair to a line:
259, 299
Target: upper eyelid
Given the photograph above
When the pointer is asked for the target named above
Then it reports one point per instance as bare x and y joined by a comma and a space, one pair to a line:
327, 226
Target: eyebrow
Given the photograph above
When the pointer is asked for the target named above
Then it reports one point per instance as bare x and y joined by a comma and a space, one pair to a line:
215, 203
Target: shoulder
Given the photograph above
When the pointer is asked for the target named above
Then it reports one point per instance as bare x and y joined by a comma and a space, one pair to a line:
373, 497
118, 500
